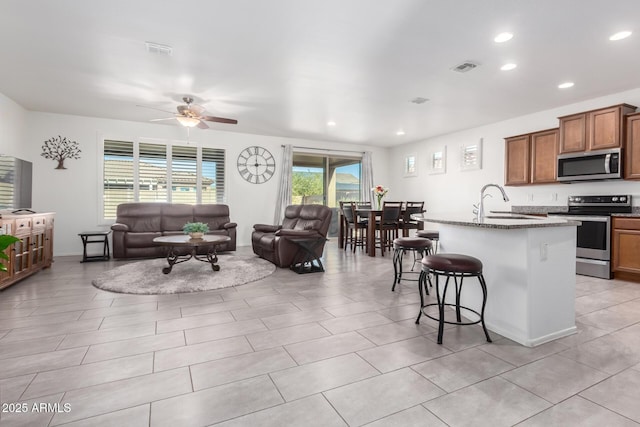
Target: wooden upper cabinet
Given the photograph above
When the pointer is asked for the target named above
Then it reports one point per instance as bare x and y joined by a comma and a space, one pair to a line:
517, 160
531, 158
594, 130
632, 147
573, 133
544, 153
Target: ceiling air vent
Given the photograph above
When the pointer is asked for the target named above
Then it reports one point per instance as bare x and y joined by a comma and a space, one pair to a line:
419, 100
464, 67
158, 49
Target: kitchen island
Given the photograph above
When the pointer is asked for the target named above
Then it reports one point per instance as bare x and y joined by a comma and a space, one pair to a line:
529, 264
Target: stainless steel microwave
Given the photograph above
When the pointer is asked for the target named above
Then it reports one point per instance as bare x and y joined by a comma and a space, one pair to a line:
590, 165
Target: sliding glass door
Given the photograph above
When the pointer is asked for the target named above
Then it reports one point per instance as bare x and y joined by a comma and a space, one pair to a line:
325, 180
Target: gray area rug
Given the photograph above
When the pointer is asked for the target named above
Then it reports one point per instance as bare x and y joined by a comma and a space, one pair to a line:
146, 277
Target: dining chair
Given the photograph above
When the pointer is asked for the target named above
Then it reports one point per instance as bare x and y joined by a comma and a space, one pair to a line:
388, 225
406, 223
355, 232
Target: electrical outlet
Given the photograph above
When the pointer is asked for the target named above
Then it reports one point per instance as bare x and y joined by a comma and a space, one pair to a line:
554, 197
530, 197
544, 251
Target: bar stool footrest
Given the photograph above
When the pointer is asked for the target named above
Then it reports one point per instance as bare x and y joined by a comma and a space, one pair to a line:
449, 322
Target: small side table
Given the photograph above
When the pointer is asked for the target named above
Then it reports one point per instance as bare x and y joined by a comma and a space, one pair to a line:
95, 237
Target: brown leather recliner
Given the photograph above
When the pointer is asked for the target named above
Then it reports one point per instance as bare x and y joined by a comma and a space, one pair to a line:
270, 241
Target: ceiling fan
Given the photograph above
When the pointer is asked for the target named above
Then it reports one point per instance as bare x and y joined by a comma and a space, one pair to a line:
191, 115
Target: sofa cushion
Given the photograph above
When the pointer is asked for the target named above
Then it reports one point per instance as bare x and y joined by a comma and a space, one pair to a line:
140, 240
140, 217
215, 216
175, 216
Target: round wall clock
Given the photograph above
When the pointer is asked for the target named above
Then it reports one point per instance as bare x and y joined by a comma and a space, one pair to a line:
256, 165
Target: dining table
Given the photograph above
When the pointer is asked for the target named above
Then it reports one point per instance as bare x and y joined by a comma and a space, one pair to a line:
371, 215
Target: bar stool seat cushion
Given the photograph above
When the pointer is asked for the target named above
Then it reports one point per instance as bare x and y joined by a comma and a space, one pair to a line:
428, 234
412, 243
455, 263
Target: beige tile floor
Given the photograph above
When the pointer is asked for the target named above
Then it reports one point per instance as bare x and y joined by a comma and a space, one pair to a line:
325, 349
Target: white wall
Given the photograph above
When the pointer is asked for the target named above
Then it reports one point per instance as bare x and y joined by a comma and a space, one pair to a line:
12, 128
73, 193
457, 191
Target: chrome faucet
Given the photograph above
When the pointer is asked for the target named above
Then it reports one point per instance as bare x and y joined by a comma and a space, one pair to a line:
479, 208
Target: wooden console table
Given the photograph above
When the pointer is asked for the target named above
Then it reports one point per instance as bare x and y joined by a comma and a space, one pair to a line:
34, 251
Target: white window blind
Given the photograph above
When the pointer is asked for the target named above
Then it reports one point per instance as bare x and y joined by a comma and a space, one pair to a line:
213, 188
184, 174
153, 172
117, 176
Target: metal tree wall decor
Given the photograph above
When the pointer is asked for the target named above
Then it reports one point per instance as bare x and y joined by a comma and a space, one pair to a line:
59, 148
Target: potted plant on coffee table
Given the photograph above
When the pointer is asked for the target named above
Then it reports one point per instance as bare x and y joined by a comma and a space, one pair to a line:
6, 240
195, 229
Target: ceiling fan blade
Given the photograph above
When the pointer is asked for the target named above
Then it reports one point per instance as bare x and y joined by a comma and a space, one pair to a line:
219, 120
203, 125
154, 108
159, 120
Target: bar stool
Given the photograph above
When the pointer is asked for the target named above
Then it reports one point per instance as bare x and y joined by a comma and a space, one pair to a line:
418, 246
456, 266
433, 235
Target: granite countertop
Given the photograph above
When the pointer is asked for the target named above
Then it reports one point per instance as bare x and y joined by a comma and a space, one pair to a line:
628, 215
500, 221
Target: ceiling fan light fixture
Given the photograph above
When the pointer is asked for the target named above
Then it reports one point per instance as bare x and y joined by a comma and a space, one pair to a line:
188, 121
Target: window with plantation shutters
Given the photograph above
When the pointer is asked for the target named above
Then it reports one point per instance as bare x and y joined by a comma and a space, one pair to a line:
117, 175
155, 172
184, 175
213, 170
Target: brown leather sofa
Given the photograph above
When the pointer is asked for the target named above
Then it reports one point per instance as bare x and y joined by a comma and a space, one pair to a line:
137, 224
270, 241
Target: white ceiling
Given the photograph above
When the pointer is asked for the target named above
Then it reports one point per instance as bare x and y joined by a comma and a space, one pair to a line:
286, 67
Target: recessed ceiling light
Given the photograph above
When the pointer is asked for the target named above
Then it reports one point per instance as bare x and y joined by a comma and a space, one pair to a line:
331, 123
565, 85
400, 132
620, 35
508, 67
503, 37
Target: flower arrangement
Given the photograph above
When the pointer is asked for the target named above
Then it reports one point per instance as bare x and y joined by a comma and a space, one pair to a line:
379, 191
195, 229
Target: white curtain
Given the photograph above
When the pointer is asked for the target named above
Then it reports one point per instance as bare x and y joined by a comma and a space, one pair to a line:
366, 182
284, 191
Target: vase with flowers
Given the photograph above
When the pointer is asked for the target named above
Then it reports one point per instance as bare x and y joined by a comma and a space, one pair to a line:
379, 191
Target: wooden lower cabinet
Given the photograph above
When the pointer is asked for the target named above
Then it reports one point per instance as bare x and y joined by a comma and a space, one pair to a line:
625, 248
33, 252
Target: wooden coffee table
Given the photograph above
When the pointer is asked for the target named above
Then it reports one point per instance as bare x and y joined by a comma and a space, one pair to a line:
173, 242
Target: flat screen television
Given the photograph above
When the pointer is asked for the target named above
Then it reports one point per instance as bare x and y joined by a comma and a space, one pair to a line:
15, 183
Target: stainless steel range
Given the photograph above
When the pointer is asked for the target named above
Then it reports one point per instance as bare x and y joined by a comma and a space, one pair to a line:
593, 253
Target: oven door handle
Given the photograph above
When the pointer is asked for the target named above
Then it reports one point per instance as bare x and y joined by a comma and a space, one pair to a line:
607, 163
